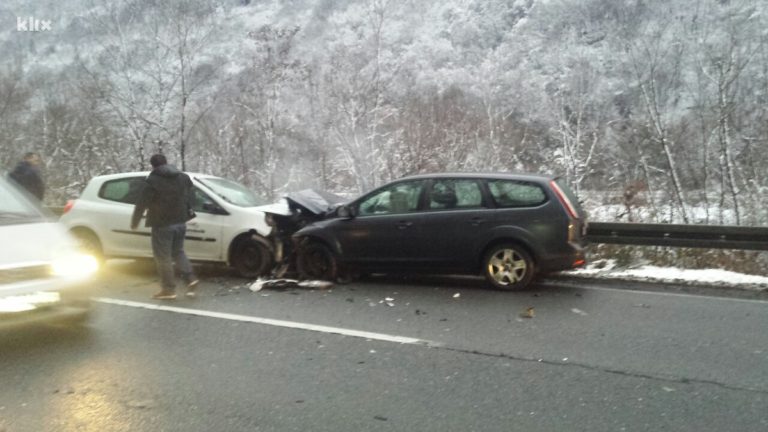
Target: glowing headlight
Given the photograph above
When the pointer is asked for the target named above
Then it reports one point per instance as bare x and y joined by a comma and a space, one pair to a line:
74, 265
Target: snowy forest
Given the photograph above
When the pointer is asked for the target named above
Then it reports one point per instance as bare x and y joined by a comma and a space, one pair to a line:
654, 110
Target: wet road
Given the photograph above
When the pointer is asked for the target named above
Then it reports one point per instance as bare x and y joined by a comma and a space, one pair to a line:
390, 354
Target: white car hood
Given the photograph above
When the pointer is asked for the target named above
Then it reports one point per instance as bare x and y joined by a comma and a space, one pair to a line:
279, 208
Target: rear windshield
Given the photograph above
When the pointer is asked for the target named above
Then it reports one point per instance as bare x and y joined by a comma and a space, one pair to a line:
15, 207
569, 194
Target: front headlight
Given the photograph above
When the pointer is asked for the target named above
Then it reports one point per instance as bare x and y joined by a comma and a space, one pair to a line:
74, 264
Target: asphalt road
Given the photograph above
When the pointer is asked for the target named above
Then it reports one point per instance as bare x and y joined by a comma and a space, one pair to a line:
428, 354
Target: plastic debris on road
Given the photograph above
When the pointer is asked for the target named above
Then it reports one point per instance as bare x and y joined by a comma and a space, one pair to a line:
579, 312
457, 295
260, 284
316, 284
528, 313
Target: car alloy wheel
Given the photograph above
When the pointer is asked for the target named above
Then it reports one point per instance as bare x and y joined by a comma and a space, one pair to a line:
508, 267
316, 261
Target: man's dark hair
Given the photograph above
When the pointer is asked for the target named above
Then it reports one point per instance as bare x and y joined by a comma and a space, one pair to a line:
158, 160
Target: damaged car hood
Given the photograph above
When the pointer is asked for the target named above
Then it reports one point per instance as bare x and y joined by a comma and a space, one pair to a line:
307, 201
314, 201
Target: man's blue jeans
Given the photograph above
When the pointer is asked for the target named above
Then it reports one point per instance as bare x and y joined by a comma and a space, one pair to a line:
168, 247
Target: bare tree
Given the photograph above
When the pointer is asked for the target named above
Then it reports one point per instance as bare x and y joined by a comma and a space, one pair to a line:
723, 57
579, 121
14, 98
185, 28
266, 88
357, 83
656, 62
151, 69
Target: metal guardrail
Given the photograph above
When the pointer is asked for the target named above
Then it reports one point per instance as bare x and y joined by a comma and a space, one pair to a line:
693, 236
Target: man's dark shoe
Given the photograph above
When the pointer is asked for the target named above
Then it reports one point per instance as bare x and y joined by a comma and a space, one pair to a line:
164, 295
192, 287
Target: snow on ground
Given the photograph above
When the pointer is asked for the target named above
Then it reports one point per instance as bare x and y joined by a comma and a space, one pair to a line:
606, 269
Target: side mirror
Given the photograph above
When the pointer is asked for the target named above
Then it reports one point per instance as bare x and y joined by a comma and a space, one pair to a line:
346, 212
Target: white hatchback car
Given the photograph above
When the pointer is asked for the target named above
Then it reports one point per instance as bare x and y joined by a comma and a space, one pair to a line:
43, 273
229, 226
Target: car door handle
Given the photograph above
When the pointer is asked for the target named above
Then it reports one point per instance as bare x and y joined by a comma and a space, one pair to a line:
403, 224
475, 221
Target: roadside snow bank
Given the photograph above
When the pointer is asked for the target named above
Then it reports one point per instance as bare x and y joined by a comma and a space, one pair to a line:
606, 269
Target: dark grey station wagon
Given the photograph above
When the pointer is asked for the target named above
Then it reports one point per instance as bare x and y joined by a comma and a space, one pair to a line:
507, 227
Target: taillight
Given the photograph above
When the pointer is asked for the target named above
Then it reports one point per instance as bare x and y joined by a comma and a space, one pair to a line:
564, 199
68, 206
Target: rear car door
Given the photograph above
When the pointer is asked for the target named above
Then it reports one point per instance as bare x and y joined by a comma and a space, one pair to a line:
455, 213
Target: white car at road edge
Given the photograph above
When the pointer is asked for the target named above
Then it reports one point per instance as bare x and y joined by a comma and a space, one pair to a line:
43, 274
229, 226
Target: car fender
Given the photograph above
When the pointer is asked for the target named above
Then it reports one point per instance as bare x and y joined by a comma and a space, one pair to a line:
243, 221
318, 232
509, 233
82, 223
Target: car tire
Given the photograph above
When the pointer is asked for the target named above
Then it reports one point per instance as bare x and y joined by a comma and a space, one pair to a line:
90, 243
315, 261
252, 257
508, 267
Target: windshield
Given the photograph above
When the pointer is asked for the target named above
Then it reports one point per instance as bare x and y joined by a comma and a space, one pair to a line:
233, 192
15, 208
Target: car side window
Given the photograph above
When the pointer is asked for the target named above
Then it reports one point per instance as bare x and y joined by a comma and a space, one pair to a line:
202, 203
512, 193
453, 193
399, 198
127, 190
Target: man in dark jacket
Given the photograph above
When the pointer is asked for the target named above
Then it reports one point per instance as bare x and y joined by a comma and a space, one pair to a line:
27, 175
167, 198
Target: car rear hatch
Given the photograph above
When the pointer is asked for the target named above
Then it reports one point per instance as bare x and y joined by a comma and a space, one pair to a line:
578, 217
